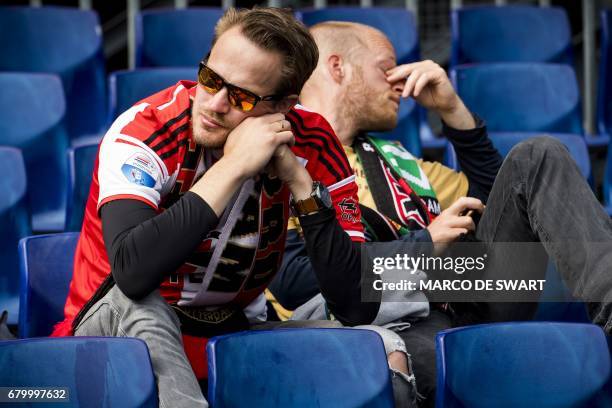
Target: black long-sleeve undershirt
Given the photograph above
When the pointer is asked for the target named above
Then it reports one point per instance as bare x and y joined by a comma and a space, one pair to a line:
478, 158
144, 247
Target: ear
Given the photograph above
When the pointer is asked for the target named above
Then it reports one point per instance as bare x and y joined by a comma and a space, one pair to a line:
336, 68
285, 104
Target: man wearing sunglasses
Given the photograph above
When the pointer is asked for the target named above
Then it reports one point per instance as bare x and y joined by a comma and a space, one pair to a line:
190, 200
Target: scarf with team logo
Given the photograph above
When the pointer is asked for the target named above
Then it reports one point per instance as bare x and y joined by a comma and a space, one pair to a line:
237, 261
400, 188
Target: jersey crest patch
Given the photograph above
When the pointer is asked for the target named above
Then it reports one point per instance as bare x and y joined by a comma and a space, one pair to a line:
139, 169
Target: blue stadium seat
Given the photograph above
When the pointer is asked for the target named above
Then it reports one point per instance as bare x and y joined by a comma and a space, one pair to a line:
398, 24
97, 371
81, 160
15, 224
485, 34
64, 41
522, 97
175, 38
299, 368
407, 129
521, 365
31, 118
46, 269
604, 89
128, 87
505, 141
604, 100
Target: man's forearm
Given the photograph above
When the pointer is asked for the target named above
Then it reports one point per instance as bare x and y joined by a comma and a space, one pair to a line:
336, 261
218, 185
143, 247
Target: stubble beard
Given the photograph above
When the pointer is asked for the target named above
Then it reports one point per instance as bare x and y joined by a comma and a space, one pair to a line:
368, 110
214, 139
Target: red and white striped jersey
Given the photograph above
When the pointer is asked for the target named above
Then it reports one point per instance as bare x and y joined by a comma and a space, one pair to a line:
149, 154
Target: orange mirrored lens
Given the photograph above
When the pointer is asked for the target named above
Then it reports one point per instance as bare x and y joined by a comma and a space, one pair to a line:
238, 97
211, 83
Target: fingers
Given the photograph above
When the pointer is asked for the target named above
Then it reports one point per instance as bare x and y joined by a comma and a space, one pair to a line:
421, 83
283, 125
410, 82
463, 222
401, 71
417, 74
285, 138
466, 203
272, 117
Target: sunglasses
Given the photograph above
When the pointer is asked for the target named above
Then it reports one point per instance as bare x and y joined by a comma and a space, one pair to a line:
239, 98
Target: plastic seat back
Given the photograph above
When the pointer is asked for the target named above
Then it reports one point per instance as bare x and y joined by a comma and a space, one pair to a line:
485, 34
397, 24
299, 368
521, 365
522, 97
95, 371
64, 41
46, 270
81, 161
15, 223
175, 38
604, 99
128, 87
32, 110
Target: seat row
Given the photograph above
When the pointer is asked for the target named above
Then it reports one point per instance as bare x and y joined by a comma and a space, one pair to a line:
501, 365
515, 364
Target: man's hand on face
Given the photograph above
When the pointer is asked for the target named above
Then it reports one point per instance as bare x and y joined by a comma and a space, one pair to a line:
250, 146
429, 85
453, 222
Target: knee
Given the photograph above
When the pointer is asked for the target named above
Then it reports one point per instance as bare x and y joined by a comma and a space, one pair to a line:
391, 340
151, 313
538, 148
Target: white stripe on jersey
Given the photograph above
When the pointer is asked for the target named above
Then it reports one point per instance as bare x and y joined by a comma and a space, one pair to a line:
176, 91
355, 234
341, 183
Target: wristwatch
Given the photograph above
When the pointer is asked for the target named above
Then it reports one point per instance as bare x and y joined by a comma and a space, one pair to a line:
319, 199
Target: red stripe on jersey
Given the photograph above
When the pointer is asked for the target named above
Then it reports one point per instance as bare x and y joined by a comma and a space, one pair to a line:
126, 142
126, 197
325, 142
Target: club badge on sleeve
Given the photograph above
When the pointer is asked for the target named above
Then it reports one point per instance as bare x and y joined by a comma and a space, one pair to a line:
139, 169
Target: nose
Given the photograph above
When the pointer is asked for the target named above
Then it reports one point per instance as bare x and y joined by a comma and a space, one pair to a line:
219, 102
398, 86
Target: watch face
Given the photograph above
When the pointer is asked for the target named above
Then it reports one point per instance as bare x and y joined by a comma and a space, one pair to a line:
323, 194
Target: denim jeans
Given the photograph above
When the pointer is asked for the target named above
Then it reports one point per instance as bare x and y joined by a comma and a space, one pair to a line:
153, 320
539, 195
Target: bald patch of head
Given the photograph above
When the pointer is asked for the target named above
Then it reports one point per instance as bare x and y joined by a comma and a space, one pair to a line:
348, 40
